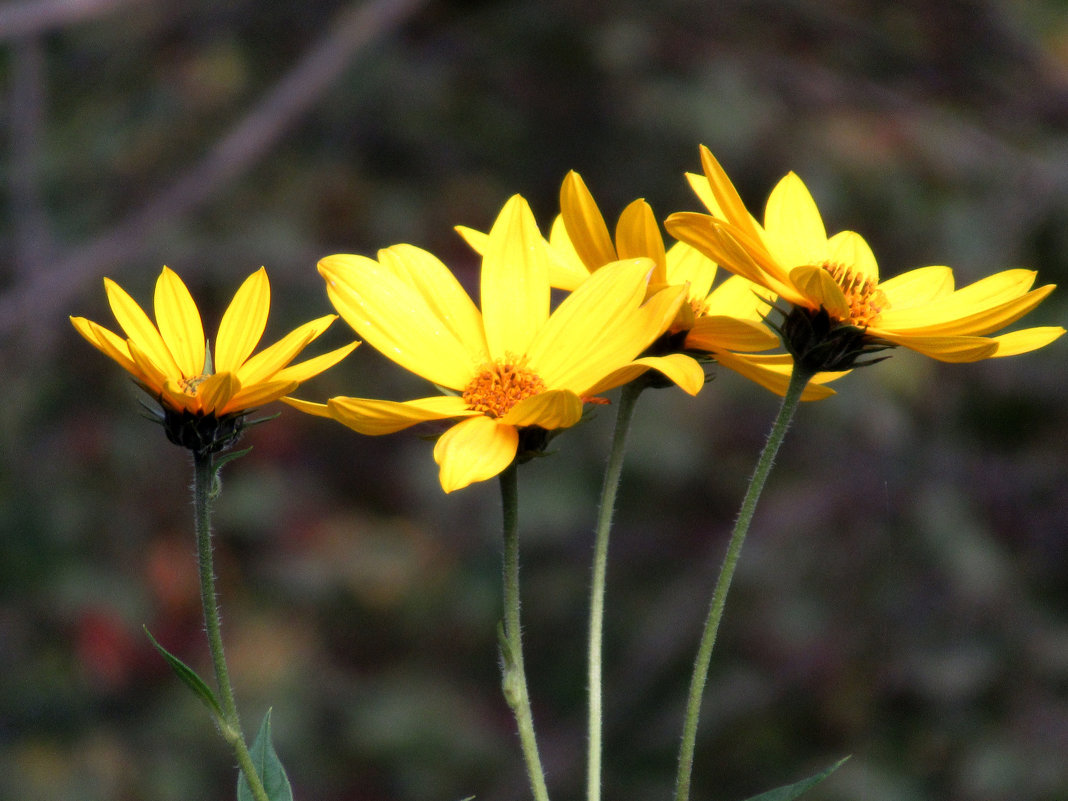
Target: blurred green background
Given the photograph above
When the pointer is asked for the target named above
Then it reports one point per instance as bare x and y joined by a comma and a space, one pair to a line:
903, 596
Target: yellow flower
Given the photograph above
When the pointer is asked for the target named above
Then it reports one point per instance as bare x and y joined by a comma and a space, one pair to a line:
513, 366
171, 359
838, 277
726, 322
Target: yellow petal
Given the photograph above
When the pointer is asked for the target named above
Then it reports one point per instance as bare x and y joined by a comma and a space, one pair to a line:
215, 391
638, 234
474, 450
141, 330
1026, 340
179, 323
773, 376
953, 316
849, 249
709, 333
917, 287
108, 343
515, 281
243, 322
555, 408
585, 224
593, 330
821, 290
793, 227
376, 417
308, 407
396, 320
682, 370
302, 371
449, 303
726, 196
476, 239
264, 365
566, 268
688, 265
945, 348
739, 297
700, 186
147, 371
259, 395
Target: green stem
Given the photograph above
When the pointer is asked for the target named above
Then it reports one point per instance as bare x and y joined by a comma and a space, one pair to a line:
798, 380
204, 473
613, 470
513, 675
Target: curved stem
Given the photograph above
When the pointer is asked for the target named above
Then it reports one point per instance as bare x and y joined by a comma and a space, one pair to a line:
204, 476
798, 380
613, 470
513, 674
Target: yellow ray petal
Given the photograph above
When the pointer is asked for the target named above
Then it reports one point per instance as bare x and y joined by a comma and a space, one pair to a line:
945, 348
585, 224
727, 198
264, 365
476, 239
302, 371
682, 370
917, 287
592, 330
1026, 340
688, 265
147, 371
554, 408
261, 394
108, 343
474, 450
700, 186
638, 234
141, 330
243, 322
731, 333
566, 268
179, 323
739, 297
450, 304
849, 249
772, 376
821, 290
308, 407
953, 317
793, 227
515, 281
375, 417
215, 391
396, 320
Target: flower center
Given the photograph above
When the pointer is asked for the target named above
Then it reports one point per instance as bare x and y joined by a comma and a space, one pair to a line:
866, 300
500, 385
189, 385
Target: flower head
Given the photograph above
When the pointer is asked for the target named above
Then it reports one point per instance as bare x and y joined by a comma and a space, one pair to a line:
840, 308
725, 322
205, 396
512, 367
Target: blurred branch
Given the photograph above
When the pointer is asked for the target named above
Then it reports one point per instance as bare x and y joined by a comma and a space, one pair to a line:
18, 20
235, 153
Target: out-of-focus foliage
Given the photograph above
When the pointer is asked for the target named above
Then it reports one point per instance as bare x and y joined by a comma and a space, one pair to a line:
902, 595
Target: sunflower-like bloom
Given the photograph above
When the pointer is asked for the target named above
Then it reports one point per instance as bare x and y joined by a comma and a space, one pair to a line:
840, 308
514, 367
204, 399
725, 322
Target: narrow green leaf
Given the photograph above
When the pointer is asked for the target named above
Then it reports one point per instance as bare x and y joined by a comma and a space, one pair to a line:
792, 791
189, 676
268, 767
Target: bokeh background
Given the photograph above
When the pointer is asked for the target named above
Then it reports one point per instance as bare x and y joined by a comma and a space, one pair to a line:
903, 594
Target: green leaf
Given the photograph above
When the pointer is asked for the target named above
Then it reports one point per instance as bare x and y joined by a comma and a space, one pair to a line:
189, 676
268, 768
792, 791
